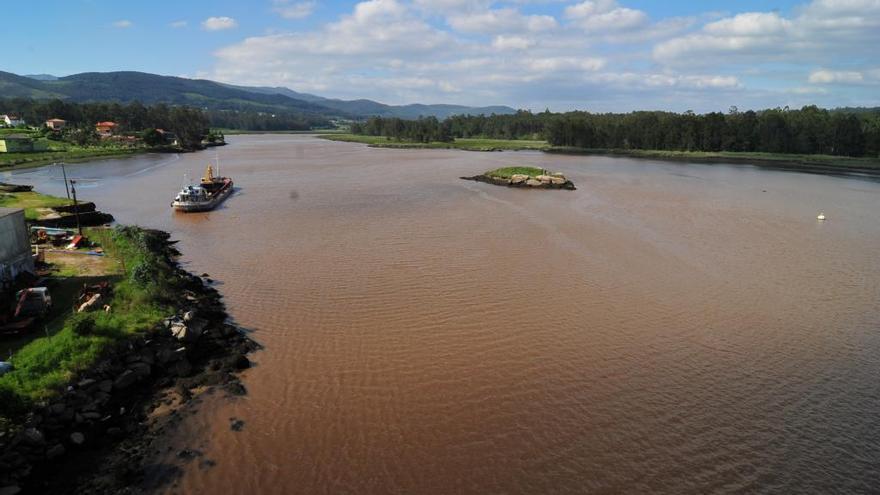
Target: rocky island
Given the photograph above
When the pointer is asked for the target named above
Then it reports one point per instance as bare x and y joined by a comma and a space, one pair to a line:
531, 177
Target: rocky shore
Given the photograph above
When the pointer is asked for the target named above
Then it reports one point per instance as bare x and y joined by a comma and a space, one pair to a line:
94, 436
544, 181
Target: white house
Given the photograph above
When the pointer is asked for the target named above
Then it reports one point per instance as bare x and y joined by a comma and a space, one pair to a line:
12, 120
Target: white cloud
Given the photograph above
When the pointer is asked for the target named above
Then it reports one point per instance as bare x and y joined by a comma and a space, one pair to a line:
500, 21
123, 24
822, 29
601, 53
512, 42
294, 10
851, 77
219, 23
605, 16
178, 24
829, 76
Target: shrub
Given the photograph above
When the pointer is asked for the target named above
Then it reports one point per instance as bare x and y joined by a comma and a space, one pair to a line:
83, 324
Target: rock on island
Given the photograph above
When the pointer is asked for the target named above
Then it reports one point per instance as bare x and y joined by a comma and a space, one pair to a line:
530, 177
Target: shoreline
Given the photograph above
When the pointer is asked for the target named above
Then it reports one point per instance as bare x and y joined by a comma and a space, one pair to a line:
793, 163
59, 157
817, 164
95, 432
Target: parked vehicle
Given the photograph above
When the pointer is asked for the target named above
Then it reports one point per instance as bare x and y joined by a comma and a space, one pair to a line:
33, 302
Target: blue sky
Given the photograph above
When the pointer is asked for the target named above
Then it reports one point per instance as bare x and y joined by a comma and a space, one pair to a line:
600, 55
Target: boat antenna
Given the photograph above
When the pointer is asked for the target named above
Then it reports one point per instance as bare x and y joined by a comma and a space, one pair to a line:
217, 159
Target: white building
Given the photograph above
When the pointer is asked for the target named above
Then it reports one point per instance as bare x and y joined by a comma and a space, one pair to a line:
15, 246
12, 120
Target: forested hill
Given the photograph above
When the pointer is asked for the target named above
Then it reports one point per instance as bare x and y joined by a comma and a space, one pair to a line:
126, 87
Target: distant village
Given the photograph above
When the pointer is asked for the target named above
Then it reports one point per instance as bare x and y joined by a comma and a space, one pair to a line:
27, 140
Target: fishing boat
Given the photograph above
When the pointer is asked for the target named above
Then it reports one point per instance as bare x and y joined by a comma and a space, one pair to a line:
206, 195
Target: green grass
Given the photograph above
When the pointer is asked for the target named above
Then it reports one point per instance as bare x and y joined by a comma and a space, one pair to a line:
143, 295
234, 132
468, 144
788, 160
58, 152
817, 163
508, 172
30, 202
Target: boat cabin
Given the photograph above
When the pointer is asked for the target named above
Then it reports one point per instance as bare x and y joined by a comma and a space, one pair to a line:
192, 194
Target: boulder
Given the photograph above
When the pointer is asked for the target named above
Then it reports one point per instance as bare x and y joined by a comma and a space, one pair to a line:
241, 362
165, 356
77, 438
557, 180
56, 450
86, 383
10, 490
106, 386
190, 331
518, 178
181, 368
33, 437
141, 370
533, 183
125, 380
57, 408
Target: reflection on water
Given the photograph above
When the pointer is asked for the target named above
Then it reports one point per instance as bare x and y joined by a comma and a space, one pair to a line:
665, 328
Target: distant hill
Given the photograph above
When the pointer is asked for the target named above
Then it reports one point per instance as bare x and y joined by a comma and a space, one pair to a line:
370, 108
147, 88
14, 86
41, 77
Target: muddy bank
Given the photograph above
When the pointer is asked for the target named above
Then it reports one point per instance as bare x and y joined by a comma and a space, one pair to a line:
95, 436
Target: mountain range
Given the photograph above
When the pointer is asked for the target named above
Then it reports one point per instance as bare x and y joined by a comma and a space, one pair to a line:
128, 86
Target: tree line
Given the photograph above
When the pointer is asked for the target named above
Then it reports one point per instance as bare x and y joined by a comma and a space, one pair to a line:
423, 130
185, 121
189, 124
809, 130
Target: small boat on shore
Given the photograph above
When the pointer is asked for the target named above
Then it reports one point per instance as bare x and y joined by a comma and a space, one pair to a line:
205, 196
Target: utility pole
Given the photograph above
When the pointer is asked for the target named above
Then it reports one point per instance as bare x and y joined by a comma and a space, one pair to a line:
64, 172
75, 206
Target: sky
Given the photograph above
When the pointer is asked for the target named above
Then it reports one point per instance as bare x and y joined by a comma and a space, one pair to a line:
596, 55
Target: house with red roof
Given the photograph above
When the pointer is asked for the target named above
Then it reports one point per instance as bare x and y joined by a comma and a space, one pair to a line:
105, 129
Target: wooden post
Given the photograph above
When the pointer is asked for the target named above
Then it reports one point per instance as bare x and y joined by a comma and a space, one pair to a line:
64, 172
75, 206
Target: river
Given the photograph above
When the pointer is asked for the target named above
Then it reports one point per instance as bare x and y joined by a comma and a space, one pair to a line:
667, 327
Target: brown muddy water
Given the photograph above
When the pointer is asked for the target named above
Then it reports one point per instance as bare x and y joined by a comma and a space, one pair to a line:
667, 327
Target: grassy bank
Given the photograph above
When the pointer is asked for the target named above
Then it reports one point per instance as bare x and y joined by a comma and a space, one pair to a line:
474, 144
142, 295
31, 202
233, 132
809, 163
820, 163
69, 154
